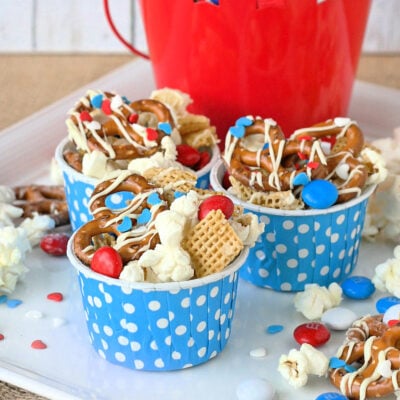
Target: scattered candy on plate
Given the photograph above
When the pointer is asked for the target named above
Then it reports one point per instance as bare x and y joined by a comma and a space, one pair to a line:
313, 333
338, 318
386, 302
38, 345
358, 287
255, 389
55, 244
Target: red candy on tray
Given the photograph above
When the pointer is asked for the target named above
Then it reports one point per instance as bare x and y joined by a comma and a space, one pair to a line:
313, 333
55, 244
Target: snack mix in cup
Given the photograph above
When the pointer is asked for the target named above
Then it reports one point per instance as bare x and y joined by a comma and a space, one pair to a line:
107, 133
158, 271
310, 190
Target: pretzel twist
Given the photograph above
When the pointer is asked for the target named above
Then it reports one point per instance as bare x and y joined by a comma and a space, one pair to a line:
348, 141
131, 244
371, 348
43, 199
265, 161
114, 133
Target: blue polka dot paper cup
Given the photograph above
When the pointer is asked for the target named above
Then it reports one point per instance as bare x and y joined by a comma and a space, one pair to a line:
203, 175
299, 247
158, 326
78, 187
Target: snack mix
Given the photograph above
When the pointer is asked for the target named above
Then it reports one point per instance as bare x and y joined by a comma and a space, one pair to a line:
110, 133
170, 233
270, 170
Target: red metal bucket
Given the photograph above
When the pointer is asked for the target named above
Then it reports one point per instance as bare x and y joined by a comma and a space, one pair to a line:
290, 60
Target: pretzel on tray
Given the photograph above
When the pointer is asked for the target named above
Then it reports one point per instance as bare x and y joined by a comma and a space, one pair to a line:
43, 199
371, 360
132, 224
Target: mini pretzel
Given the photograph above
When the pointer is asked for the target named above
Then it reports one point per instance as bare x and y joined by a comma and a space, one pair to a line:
371, 344
347, 136
43, 199
265, 168
348, 142
133, 242
114, 130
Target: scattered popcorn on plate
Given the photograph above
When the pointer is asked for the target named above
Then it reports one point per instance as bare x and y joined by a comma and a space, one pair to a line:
315, 299
17, 241
387, 274
383, 212
296, 366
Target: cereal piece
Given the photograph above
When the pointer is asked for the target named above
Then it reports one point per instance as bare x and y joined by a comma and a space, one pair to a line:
172, 180
176, 100
212, 244
279, 200
191, 123
238, 189
204, 138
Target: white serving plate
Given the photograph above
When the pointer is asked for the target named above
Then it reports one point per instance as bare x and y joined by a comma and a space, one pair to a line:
69, 368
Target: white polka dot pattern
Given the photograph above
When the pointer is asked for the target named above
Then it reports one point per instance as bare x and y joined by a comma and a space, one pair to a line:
77, 193
159, 329
297, 250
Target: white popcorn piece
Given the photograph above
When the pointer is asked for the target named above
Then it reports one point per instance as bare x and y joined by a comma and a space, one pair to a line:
7, 194
315, 299
8, 213
248, 228
299, 364
162, 159
16, 242
94, 164
168, 260
376, 159
387, 274
37, 227
14, 245
383, 212
132, 272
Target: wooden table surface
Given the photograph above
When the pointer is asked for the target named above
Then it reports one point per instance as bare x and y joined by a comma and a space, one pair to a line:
31, 82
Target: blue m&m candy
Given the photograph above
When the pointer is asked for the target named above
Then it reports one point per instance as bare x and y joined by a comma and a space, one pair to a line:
358, 287
385, 303
319, 194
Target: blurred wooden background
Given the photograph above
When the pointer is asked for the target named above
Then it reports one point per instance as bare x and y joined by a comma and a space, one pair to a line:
76, 26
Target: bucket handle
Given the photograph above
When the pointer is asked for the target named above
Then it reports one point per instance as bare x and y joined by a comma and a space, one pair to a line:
118, 34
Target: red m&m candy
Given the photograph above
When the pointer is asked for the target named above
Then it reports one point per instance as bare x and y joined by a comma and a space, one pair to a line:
107, 261
216, 202
55, 244
313, 333
187, 155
